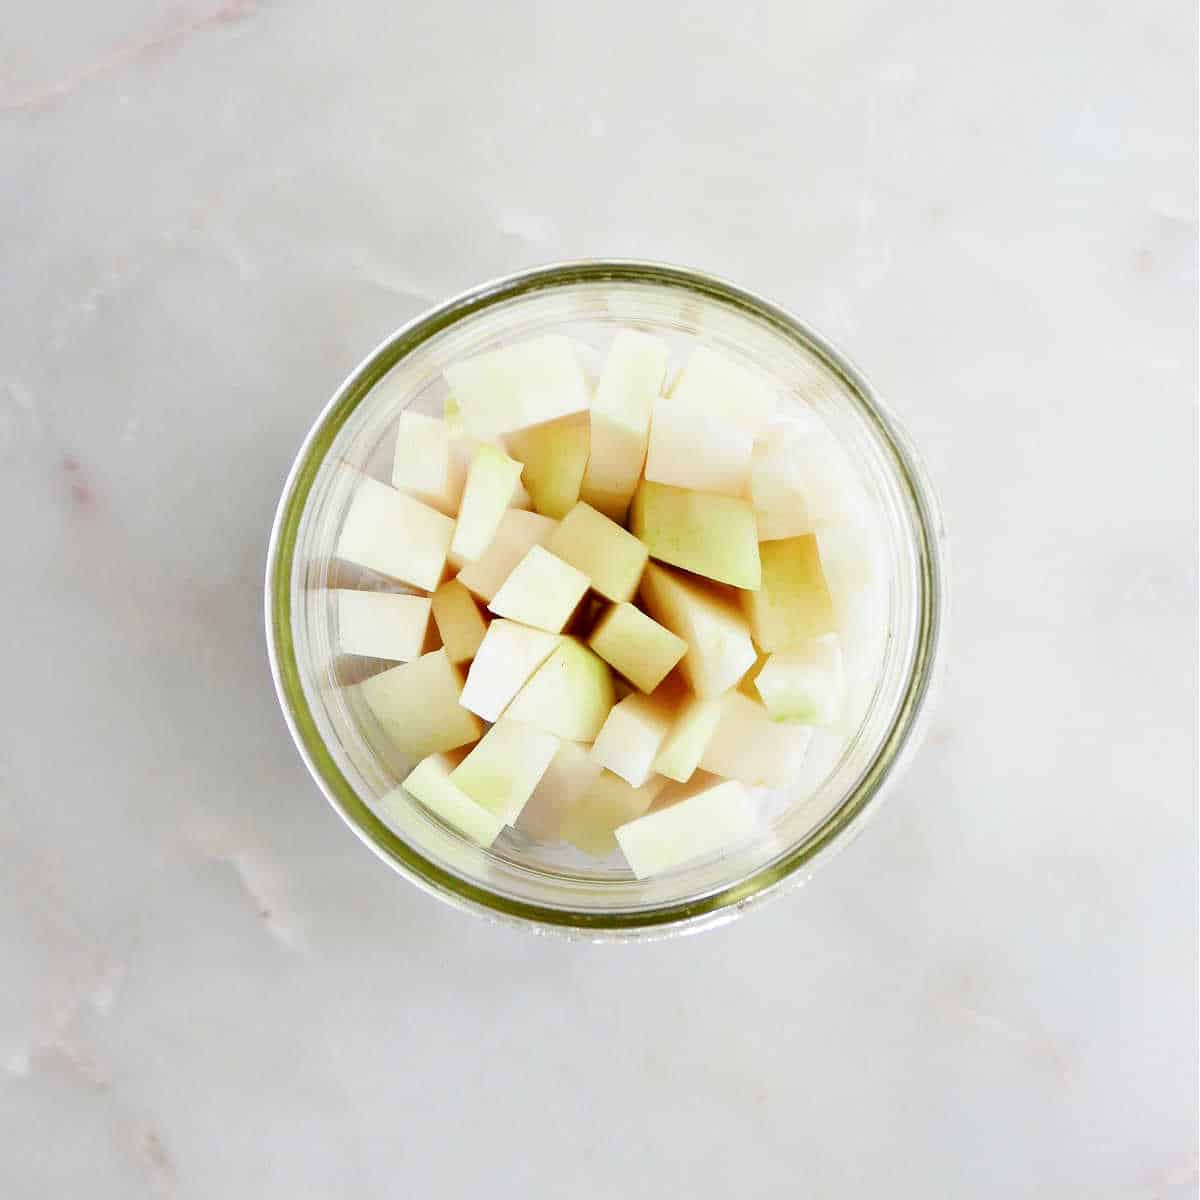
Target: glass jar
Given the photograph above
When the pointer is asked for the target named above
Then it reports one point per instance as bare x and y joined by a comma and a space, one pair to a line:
519, 879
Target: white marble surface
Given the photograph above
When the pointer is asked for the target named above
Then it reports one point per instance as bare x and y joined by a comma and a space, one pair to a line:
209, 212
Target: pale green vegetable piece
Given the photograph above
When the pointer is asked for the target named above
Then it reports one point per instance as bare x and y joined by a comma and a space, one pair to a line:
518, 385
590, 823
570, 694
611, 557
637, 645
430, 783
517, 532
554, 457
542, 591
748, 746
394, 534
417, 704
688, 737
699, 827
506, 658
793, 603
381, 624
719, 648
710, 535
805, 686
491, 482
631, 736
427, 463
620, 421
570, 773
500, 773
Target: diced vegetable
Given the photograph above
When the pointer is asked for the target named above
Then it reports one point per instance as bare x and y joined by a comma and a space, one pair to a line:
688, 737
611, 557
430, 783
569, 695
381, 624
426, 463
806, 686
554, 457
459, 621
501, 772
543, 591
507, 657
389, 532
518, 531
590, 823
491, 481
571, 772
714, 536
748, 746
636, 645
793, 603
631, 737
417, 705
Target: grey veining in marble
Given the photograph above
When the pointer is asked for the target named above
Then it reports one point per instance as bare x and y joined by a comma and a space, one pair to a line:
209, 211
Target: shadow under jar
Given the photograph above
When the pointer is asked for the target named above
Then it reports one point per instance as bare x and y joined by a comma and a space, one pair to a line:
553, 886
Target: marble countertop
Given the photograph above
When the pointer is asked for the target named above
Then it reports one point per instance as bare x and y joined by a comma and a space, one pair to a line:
210, 212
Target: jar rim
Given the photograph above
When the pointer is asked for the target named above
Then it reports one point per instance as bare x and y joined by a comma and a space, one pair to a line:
838, 827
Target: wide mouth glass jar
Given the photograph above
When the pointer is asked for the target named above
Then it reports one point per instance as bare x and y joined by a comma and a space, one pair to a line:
518, 878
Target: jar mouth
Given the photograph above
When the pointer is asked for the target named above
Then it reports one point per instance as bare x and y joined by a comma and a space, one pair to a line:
796, 862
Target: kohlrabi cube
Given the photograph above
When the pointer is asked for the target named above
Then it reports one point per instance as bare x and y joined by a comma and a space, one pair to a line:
570, 773
611, 557
793, 604
687, 739
710, 535
543, 591
459, 621
620, 421
519, 385
806, 686
702, 435
417, 705
381, 624
394, 534
427, 463
491, 481
631, 736
504, 662
699, 827
719, 651
517, 533
554, 457
750, 747
500, 773
637, 645
590, 823
430, 783
777, 485
570, 694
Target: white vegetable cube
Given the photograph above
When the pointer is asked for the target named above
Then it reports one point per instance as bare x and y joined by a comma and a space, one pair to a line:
591, 822
719, 651
805, 686
702, 435
631, 736
620, 421
611, 557
517, 533
793, 604
699, 827
709, 381
417, 705
637, 645
500, 773
518, 385
506, 659
570, 694
710, 535
430, 783
491, 481
688, 738
748, 746
543, 591
427, 464
389, 532
777, 474
381, 624
554, 457
570, 773
697, 449
459, 621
